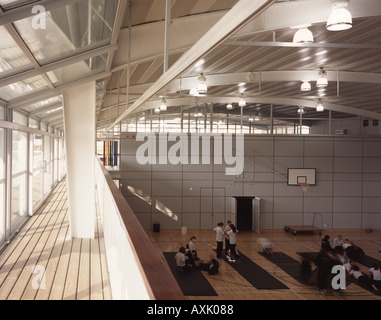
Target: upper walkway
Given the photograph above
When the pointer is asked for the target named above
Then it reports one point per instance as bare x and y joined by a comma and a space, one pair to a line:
42, 262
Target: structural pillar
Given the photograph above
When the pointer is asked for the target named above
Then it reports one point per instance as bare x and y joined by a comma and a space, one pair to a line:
79, 121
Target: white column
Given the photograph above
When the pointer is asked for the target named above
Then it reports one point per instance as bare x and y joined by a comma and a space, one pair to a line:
79, 121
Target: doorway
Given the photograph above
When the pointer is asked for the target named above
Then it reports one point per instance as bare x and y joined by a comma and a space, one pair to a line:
247, 212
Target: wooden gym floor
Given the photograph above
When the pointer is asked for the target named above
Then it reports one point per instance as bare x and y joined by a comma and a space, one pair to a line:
231, 286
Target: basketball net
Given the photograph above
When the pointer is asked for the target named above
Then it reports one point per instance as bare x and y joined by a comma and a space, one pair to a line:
305, 186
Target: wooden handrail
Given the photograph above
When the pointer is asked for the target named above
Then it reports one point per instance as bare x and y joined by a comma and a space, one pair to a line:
161, 284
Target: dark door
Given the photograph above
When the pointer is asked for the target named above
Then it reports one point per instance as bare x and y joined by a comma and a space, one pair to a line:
244, 214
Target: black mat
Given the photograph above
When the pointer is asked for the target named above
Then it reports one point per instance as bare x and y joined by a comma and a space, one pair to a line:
255, 275
369, 261
285, 263
192, 283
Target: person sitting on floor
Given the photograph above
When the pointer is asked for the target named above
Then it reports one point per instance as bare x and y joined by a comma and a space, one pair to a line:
182, 260
376, 276
191, 250
212, 266
325, 245
354, 252
362, 278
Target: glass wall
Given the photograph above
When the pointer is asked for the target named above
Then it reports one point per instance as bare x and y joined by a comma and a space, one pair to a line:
2, 184
37, 189
48, 165
19, 192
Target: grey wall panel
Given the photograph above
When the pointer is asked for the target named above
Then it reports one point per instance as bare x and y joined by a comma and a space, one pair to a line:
139, 205
166, 188
321, 189
282, 219
372, 148
372, 177
259, 146
191, 204
266, 220
371, 221
192, 188
282, 189
347, 176
322, 164
317, 204
372, 188
347, 164
260, 189
140, 188
371, 204
347, 192
318, 148
166, 220
346, 189
286, 147
288, 162
346, 220
165, 175
197, 175
347, 147
129, 163
346, 204
288, 204
191, 220
372, 165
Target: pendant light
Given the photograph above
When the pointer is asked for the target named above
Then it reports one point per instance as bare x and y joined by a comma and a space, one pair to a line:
303, 35
322, 80
163, 106
202, 87
306, 86
340, 18
320, 107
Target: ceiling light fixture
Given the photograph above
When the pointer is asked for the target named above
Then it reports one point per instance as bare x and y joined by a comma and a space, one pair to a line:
242, 102
193, 92
163, 106
202, 87
157, 110
306, 86
320, 107
303, 35
301, 110
322, 80
340, 18
229, 106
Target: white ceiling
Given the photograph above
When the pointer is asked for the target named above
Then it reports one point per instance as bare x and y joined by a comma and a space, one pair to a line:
250, 52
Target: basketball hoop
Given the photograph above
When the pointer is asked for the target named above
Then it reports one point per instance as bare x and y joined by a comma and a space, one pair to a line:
304, 186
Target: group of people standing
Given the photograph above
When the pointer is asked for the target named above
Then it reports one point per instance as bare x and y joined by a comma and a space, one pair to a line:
230, 235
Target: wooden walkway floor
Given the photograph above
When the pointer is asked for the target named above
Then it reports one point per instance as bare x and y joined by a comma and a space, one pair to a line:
43, 263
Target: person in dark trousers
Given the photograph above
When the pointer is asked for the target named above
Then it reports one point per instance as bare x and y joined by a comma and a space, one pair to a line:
232, 242
325, 244
227, 245
220, 239
323, 264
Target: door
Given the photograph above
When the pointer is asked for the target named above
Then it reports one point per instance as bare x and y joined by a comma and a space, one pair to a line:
244, 208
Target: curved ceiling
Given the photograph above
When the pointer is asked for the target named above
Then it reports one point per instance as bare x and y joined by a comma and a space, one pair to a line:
242, 47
